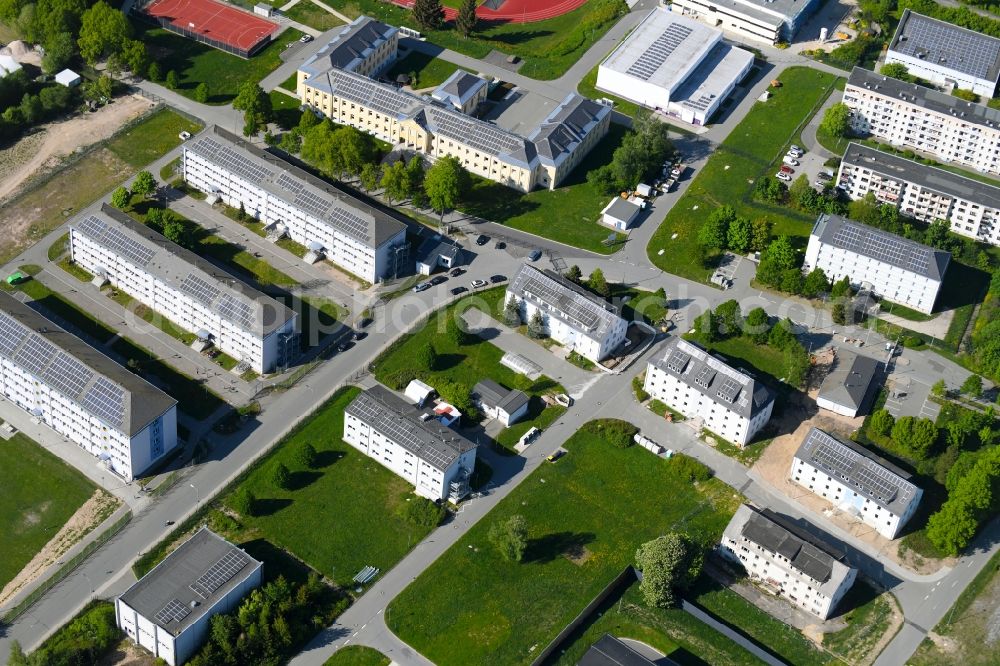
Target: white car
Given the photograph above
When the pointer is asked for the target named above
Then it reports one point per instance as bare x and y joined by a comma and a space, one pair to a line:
781, 175
184, 136
792, 152
790, 161
476, 284
305, 39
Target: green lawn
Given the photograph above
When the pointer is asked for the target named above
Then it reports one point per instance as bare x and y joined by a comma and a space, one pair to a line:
763, 361
430, 71
195, 62
140, 145
752, 150
357, 655
569, 214
868, 621
642, 305
585, 520
286, 109
313, 16
40, 493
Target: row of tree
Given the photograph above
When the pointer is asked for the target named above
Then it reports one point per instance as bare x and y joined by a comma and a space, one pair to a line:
639, 157
973, 498
25, 104
907, 436
986, 332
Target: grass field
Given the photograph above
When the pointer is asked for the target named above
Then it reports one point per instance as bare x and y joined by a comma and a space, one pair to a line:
357, 655
585, 521
569, 214
752, 149
313, 16
430, 71
40, 493
196, 63
868, 620
140, 145
760, 360
286, 109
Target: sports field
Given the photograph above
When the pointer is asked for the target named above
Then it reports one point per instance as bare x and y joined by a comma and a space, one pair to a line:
214, 23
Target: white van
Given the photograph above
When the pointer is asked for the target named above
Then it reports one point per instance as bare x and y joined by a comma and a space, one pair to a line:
790, 161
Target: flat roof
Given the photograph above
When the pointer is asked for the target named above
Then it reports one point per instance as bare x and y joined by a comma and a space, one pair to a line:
946, 45
298, 188
850, 382
565, 300
149, 251
401, 422
926, 98
122, 400
862, 470
721, 383
882, 246
928, 177
713, 77
622, 209
190, 581
349, 47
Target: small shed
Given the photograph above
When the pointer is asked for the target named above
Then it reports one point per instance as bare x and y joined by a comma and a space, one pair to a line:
263, 9
620, 213
8, 65
505, 405
418, 392
68, 78
436, 252
644, 190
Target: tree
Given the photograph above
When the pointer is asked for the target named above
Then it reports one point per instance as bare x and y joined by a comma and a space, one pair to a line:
668, 563
798, 189
740, 235
728, 318
778, 258
839, 314
951, 528
281, 477
459, 395
177, 231
795, 363
244, 502
103, 30
815, 283
172, 81
940, 389
428, 14
510, 537
135, 56
144, 184
120, 198
760, 234
425, 357
154, 73
973, 385
17, 656
841, 288
59, 51
255, 105
769, 190
536, 326
705, 327
306, 456
713, 232
881, 423
574, 274
512, 313
201, 92
896, 70
395, 182
371, 175
757, 325
445, 183
466, 20
836, 120
415, 172
922, 438
355, 149
598, 284
422, 512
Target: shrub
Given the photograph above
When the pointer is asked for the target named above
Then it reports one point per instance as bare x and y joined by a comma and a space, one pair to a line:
613, 431
640, 393
694, 471
422, 512
400, 378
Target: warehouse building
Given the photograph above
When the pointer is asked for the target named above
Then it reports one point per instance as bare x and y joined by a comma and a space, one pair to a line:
256, 330
890, 266
168, 611
572, 316
906, 115
731, 404
328, 220
925, 193
856, 481
109, 412
788, 560
768, 21
412, 442
946, 54
674, 64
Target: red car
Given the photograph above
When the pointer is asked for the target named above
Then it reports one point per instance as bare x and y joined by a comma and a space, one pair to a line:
787, 169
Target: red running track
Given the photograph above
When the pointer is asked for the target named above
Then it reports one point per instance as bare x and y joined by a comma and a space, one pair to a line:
514, 11
214, 20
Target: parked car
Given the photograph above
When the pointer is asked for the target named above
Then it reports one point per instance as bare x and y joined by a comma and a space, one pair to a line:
794, 153
824, 175
500, 245
423, 286
795, 148
781, 175
358, 335
345, 345
820, 184
305, 39
455, 272
556, 455
497, 279
476, 284
458, 290
438, 279
530, 436
790, 161
786, 169
535, 255
184, 136
482, 240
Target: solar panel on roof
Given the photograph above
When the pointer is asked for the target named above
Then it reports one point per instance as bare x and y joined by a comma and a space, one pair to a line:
174, 611
883, 247
233, 310
219, 573
857, 470
729, 389
199, 289
430, 446
289, 183
705, 376
658, 52
678, 360
125, 246
92, 226
106, 401
948, 46
11, 335
34, 354
67, 375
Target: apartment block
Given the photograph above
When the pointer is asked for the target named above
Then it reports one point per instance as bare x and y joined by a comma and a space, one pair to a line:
728, 402
186, 289
113, 414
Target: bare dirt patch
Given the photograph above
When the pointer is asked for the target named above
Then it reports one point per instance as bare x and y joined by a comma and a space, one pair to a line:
127, 653
578, 555
93, 512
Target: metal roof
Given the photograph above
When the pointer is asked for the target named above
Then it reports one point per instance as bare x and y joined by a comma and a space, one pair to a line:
436, 246
120, 399
566, 128
883, 246
723, 384
850, 382
401, 423
711, 79
936, 179
349, 48
459, 88
565, 300
189, 581
492, 394
946, 45
333, 206
199, 279
860, 469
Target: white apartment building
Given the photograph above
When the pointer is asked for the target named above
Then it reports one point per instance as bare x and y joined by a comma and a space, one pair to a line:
925, 193
946, 54
168, 611
674, 64
572, 316
463, 91
787, 560
856, 481
410, 441
112, 414
767, 21
906, 115
364, 46
186, 289
328, 219
892, 267
729, 403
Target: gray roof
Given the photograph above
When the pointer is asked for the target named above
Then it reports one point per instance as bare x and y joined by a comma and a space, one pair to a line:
804, 551
222, 293
622, 209
881, 245
189, 581
494, 395
942, 44
713, 76
332, 205
850, 382
566, 127
862, 470
459, 88
926, 98
565, 300
932, 178
398, 420
724, 385
610, 651
121, 399
348, 48
438, 245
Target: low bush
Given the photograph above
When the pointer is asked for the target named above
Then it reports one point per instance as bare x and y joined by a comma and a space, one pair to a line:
695, 470
613, 431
